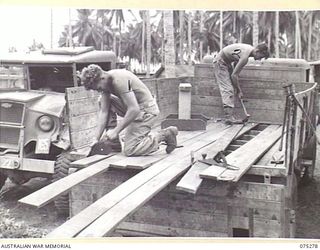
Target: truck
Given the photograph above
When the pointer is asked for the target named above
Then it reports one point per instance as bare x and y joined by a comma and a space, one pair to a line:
224, 181
34, 131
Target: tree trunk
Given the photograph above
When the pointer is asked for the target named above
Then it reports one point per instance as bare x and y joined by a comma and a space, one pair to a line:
317, 54
148, 42
298, 37
255, 30
269, 38
119, 50
309, 36
162, 42
221, 31
51, 28
189, 39
70, 30
169, 46
201, 31
276, 31
181, 24
234, 26
143, 39
114, 45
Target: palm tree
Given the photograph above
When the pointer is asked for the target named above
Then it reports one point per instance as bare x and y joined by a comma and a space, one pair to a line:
189, 37
118, 15
84, 29
201, 31
255, 30
142, 13
297, 36
181, 32
276, 31
148, 34
210, 35
169, 45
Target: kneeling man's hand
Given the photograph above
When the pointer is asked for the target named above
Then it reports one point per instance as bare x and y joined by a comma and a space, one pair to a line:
112, 134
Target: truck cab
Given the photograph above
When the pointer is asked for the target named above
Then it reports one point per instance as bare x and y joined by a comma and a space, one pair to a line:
33, 124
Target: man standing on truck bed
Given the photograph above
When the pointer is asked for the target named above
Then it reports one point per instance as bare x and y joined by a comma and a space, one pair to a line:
227, 66
125, 94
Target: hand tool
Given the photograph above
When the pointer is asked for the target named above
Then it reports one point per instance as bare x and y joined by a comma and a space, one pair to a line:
219, 160
244, 109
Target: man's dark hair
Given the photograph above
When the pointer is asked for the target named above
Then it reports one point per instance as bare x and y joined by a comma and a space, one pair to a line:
263, 49
90, 75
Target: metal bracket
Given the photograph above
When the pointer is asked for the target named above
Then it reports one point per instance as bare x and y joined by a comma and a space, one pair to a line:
267, 178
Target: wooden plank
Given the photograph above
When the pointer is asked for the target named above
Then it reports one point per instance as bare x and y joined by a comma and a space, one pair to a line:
76, 224
263, 84
83, 122
83, 106
180, 219
142, 162
132, 228
191, 181
249, 150
247, 155
139, 162
48, 193
267, 157
275, 171
257, 115
83, 138
266, 104
75, 93
248, 93
85, 162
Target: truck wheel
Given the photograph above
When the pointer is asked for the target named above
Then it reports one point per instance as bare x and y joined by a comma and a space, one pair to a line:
3, 179
61, 169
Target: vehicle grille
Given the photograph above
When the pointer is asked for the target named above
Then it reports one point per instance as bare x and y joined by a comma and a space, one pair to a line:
11, 118
9, 138
11, 112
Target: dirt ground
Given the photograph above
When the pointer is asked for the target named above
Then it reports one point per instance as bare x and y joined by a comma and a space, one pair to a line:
308, 210
20, 221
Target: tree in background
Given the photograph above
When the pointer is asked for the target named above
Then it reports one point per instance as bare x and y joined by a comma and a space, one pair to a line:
195, 33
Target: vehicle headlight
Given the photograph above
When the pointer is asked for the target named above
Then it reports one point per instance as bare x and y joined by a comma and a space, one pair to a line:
45, 123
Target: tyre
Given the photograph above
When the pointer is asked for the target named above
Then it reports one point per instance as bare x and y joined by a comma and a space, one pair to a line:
3, 179
61, 169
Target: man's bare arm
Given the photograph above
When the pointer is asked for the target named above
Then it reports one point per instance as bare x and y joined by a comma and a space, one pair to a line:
133, 110
235, 74
103, 115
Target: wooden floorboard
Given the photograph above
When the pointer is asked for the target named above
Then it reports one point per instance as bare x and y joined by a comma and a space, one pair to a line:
77, 223
248, 154
50, 192
191, 181
238, 155
85, 162
142, 162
